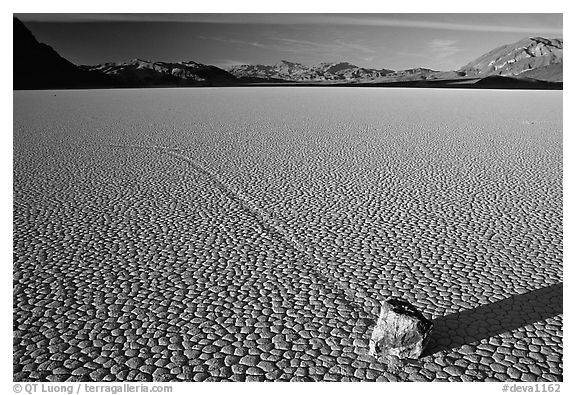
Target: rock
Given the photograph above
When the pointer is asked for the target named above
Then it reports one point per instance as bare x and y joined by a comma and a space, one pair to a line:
134, 362
401, 331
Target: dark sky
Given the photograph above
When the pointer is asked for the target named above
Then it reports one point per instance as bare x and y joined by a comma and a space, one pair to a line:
393, 41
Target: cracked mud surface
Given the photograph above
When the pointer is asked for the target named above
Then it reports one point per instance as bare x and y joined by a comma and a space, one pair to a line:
249, 233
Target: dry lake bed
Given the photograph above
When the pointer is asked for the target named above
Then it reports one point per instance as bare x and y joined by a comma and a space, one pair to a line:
248, 234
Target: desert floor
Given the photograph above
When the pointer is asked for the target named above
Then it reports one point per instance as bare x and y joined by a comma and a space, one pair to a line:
249, 233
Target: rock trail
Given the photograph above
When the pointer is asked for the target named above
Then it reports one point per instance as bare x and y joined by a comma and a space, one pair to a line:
358, 301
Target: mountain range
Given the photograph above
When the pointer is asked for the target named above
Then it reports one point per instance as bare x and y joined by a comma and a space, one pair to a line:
534, 62
290, 71
144, 72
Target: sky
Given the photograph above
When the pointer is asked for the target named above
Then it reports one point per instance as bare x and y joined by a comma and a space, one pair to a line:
391, 41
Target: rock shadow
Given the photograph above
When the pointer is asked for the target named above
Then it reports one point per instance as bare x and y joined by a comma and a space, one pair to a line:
469, 326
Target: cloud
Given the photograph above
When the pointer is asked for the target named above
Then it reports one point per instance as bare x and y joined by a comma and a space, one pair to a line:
302, 43
301, 47
233, 41
443, 48
293, 19
355, 46
424, 24
308, 47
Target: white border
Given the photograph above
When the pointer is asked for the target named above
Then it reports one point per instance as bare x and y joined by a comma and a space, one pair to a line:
305, 6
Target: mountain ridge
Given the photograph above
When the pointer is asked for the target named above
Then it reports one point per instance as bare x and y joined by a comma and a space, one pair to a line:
519, 59
527, 61
292, 71
514, 59
184, 73
55, 72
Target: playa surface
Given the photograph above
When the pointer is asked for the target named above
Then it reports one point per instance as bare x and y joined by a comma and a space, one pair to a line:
249, 233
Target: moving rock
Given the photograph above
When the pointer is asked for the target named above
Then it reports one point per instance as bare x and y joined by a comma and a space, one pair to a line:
401, 331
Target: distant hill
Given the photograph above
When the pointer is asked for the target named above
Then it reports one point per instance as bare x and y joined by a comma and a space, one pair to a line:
290, 71
499, 81
529, 57
419, 74
342, 72
139, 72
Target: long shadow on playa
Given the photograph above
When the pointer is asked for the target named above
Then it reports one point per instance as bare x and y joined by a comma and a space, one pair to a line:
470, 326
